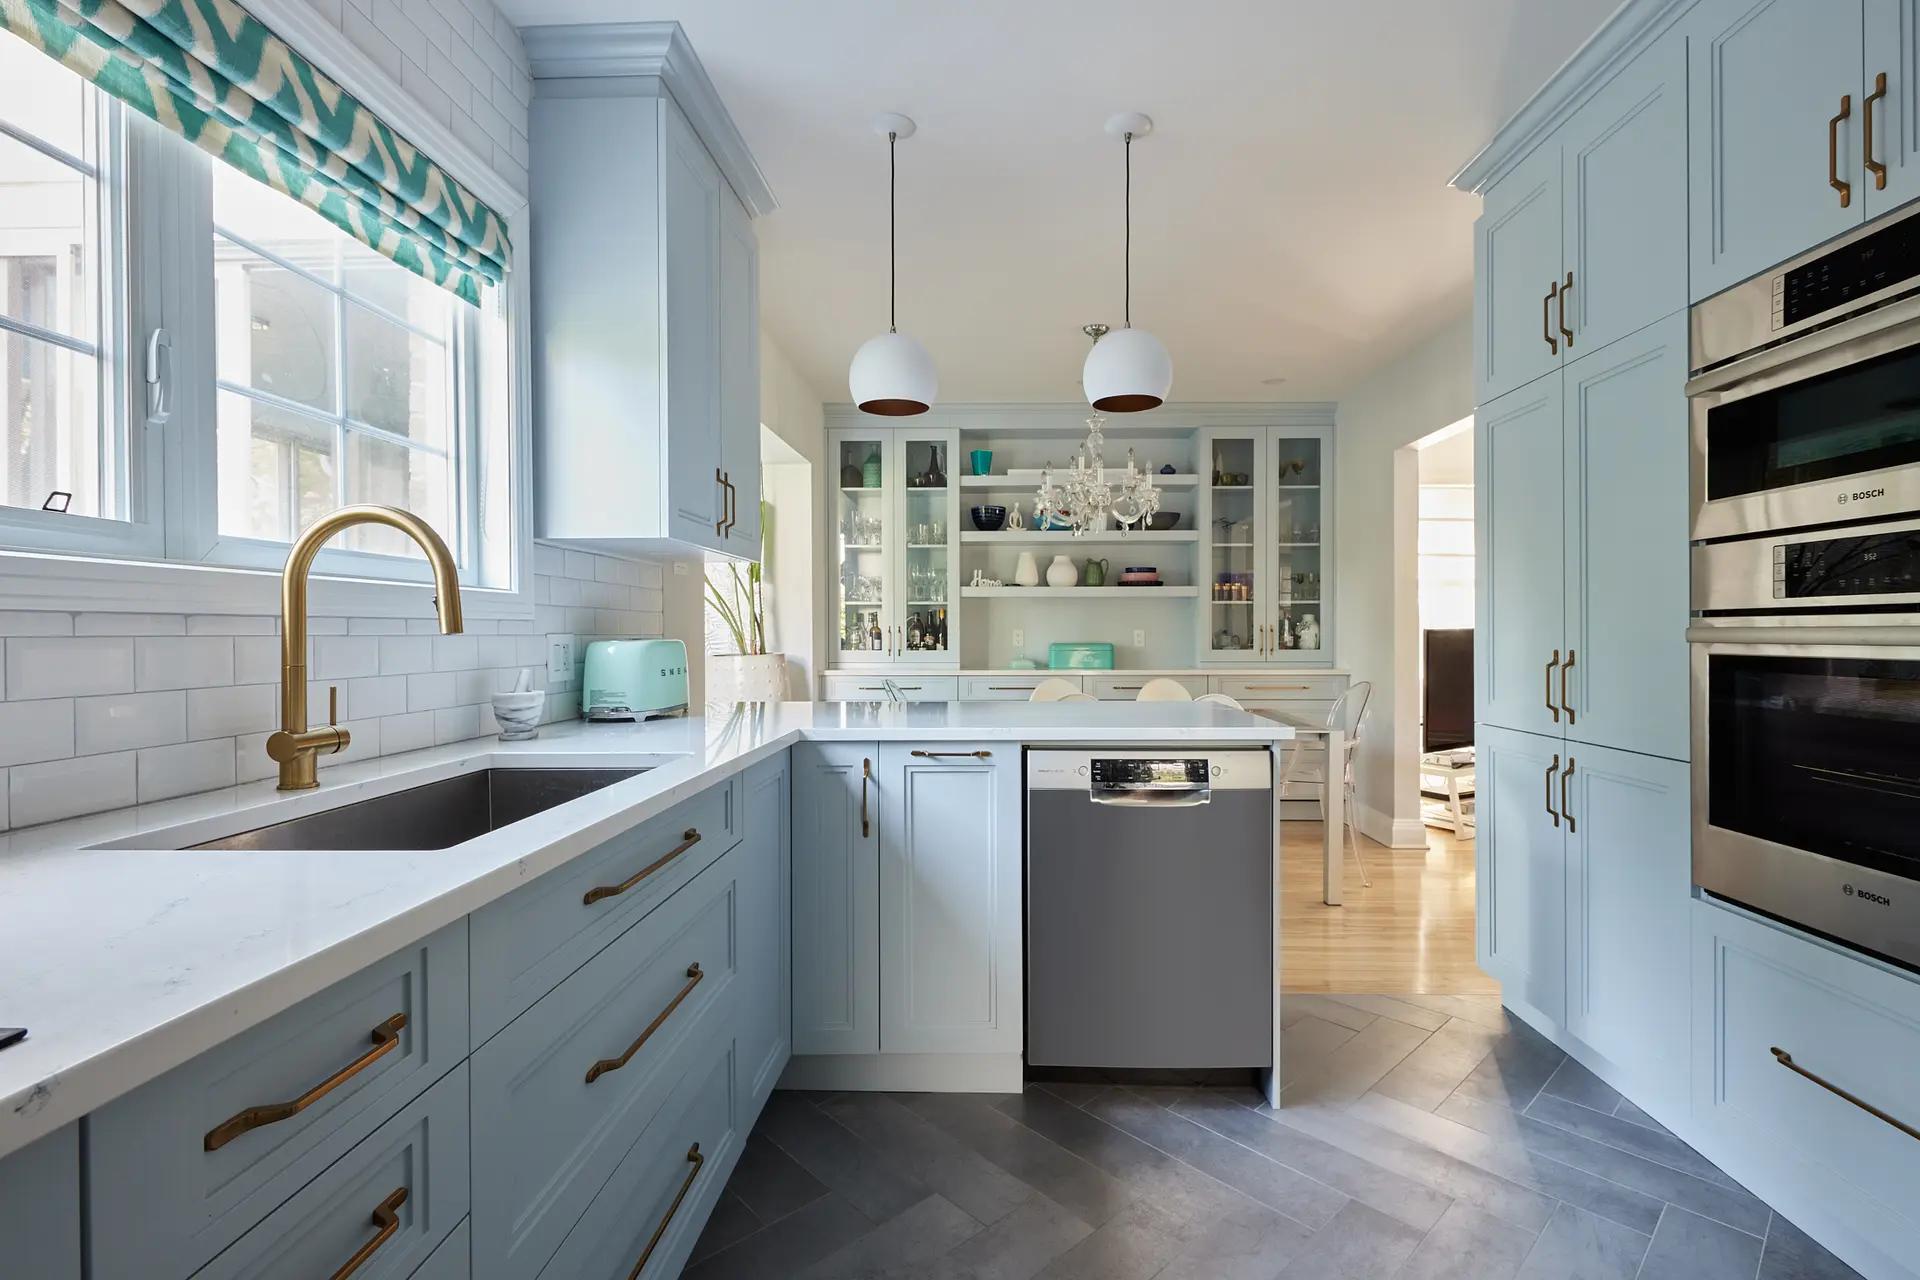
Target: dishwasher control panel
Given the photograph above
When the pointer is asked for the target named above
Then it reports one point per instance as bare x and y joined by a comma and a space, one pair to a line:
1170, 769
1108, 772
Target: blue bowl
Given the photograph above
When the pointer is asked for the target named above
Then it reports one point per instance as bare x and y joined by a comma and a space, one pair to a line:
988, 519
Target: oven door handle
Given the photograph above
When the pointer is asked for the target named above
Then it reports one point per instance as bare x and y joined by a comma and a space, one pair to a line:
1153, 797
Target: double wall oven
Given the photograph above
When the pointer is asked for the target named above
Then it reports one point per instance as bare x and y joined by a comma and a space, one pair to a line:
1805, 415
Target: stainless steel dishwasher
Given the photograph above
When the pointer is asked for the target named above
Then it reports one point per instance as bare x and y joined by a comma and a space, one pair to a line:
1150, 909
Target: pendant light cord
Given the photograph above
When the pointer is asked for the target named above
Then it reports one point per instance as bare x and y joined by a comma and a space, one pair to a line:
893, 248
1127, 271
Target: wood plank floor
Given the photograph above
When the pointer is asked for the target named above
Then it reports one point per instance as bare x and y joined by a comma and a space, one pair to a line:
1420, 1136
1411, 932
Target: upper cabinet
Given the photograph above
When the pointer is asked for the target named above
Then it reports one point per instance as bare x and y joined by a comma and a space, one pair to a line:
1801, 127
646, 325
1575, 246
895, 542
1267, 521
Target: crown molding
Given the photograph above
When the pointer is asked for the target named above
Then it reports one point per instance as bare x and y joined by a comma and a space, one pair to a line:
660, 50
1631, 28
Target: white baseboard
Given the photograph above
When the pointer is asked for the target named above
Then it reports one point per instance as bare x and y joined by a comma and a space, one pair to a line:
1395, 833
907, 1072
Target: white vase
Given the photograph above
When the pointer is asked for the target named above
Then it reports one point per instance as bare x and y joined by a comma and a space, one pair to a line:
746, 677
1026, 572
1061, 572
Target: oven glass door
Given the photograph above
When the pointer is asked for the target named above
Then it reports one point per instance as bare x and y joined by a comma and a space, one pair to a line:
1859, 418
1819, 754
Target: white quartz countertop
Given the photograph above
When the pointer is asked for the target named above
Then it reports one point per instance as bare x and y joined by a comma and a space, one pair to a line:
125, 956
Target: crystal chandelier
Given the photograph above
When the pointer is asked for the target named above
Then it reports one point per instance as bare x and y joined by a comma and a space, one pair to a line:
1084, 500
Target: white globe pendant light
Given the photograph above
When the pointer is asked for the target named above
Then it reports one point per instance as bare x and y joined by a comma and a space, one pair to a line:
892, 375
1128, 370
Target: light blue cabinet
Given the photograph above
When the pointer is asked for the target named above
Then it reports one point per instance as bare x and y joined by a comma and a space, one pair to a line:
691, 190
950, 894
1520, 868
40, 1208
1518, 532
837, 812
738, 290
765, 887
1775, 90
1517, 274
1624, 664
1626, 823
1893, 50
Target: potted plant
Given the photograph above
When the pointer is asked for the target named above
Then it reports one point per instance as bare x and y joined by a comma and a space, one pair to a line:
737, 597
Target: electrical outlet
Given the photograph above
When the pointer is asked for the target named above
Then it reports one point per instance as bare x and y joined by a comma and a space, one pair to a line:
559, 657
1019, 638
1139, 639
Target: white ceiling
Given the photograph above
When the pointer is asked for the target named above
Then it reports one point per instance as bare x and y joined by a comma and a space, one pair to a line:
1291, 218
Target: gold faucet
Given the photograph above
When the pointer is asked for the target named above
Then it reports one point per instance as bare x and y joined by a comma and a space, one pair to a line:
295, 747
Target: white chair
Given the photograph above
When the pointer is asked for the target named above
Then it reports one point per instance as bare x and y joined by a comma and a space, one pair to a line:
1161, 689
1076, 696
1220, 700
1052, 689
1348, 714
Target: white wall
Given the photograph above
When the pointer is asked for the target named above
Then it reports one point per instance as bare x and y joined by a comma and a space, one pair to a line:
790, 407
1406, 397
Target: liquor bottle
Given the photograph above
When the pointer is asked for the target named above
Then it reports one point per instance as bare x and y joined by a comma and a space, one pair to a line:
874, 640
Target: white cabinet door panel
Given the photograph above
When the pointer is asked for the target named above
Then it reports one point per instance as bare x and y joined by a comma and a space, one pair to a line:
691, 205
836, 909
1520, 867
1518, 534
1517, 269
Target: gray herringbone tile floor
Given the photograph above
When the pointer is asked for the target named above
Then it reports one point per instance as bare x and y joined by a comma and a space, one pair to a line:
1419, 1136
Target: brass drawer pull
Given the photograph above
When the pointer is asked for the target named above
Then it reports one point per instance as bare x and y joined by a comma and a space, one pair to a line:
386, 1217
1834, 179
605, 1065
386, 1038
1552, 768
688, 838
866, 776
1874, 167
1552, 710
1785, 1059
1566, 291
1566, 703
695, 1159
954, 755
1566, 810
1010, 688
1546, 321
1279, 688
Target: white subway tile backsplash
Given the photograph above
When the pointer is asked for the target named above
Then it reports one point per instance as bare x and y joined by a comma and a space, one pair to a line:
27, 623
59, 789
186, 662
4, 823
404, 655
32, 731
342, 657
129, 624
408, 732
455, 724
361, 28
422, 627
374, 696
256, 659
455, 653
65, 666
474, 686
250, 760
123, 721
430, 692
164, 772
376, 626
227, 710
211, 624
363, 743
580, 564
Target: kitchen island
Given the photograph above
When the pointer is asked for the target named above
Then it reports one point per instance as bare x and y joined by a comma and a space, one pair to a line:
163, 985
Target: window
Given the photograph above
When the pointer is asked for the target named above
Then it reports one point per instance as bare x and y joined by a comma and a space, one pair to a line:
1446, 556
304, 371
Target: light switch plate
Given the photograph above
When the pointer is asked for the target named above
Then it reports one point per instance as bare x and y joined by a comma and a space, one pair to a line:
1139, 639
559, 657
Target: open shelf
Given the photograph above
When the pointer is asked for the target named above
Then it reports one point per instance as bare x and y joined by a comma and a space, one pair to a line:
1082, 593
1029, 477
1062, 539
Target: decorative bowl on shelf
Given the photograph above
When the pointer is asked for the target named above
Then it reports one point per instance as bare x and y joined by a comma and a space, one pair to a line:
1140, 575
1054, 524
1161, 521
987, 519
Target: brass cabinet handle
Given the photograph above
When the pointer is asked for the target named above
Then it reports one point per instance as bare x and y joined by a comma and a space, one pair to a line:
1566, 703
866, 776
695, 1159
1279, 688
1565, 293
1552, 769
948, 755
605, 1065
1566, 810
1552, 662
386, 1038
1834, 179
1010, 688
1785, 1059
733, 505
1546, 324
688, 838
1125, 688
720, 525
386, 1216
1874, 167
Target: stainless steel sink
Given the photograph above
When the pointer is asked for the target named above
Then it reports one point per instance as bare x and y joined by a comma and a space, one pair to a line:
438, 815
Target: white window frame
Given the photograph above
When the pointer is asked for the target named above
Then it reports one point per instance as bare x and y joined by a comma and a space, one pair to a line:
168, 555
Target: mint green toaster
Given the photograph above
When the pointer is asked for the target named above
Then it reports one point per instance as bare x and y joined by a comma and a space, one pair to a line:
1063, 656
633, 679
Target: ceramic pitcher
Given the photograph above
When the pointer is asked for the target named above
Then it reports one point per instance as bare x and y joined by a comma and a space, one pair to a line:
1096, 573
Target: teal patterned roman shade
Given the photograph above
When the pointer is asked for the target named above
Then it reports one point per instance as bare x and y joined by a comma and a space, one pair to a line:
211, 72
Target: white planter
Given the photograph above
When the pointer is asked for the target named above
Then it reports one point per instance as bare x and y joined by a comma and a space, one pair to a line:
747, 677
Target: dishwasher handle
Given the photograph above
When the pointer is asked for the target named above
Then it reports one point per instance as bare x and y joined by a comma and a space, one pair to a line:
1152, 797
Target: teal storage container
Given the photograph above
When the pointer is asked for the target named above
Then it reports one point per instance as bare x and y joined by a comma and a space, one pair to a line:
1080, 657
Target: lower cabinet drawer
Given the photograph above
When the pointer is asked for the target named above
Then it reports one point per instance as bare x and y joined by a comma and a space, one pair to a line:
1280, 686
561, 1094
874, 688
1008, 688
184, 1165
453, 1260
1780, 1023
526, 942
1125, 688
644, 1222
388, 1203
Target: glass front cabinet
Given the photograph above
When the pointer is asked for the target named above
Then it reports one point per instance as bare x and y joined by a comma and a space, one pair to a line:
1266, 513
894, 503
